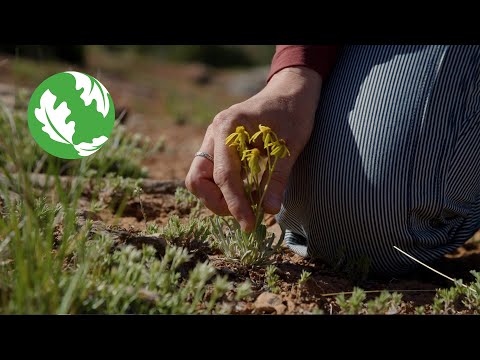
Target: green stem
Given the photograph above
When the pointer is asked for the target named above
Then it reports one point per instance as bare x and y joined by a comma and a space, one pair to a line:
270, 172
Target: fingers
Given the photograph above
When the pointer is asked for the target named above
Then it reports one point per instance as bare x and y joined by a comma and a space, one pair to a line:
199, 180
278, 183
227, 175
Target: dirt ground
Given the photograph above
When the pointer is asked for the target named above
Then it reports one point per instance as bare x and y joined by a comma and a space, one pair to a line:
417, 288
320, 291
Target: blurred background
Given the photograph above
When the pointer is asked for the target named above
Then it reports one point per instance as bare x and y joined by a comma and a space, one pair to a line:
168, 91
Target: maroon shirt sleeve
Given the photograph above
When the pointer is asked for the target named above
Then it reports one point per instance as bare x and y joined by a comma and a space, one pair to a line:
320, 58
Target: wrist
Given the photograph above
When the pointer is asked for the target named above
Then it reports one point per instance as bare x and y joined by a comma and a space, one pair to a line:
297, 78
296, 81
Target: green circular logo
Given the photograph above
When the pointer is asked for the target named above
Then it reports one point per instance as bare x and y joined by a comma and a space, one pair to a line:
71, 115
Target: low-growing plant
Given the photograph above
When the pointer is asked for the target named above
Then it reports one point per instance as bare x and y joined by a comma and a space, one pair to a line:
385, 303
115, 191
444, 301
354, 304
50, 263
243, 290
177, 232
272, 279
152, 228
316, 311
185, 199
257, 247
304, 277
471, 299
124, 152
136, 281
461, 298
420, 310
239, 246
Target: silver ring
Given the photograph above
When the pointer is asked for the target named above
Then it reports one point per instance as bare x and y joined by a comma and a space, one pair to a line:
205, 155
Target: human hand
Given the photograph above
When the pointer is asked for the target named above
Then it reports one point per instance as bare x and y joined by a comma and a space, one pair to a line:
287, 105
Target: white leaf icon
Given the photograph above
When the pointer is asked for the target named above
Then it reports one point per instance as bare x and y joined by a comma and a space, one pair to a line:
85, 149
55, 119
93, 90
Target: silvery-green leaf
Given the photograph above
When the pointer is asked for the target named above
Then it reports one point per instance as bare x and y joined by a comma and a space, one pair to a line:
92, 90
85, 149
55, 119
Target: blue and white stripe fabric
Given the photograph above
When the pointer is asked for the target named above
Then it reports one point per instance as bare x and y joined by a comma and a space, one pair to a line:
394, 158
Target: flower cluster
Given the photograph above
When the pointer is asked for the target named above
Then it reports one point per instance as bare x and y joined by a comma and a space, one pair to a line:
252, 159
274, 146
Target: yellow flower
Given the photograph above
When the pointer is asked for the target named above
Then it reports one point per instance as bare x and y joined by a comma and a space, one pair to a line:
253, 160
239, 138
279, 149
267, 135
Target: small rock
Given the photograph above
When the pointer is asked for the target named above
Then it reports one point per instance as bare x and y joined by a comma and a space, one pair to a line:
269, 303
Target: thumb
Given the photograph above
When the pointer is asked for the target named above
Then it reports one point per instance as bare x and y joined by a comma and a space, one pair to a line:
278, 182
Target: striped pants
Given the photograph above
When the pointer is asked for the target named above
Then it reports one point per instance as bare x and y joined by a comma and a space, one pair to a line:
394, 158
